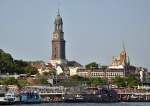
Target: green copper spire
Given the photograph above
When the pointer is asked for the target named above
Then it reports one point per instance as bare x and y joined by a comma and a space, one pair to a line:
58, 22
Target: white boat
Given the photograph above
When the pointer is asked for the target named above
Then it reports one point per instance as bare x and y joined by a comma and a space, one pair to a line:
12, 97
2, 94
2, 98
9, 98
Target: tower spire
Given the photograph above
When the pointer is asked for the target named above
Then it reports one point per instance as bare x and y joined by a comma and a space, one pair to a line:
128, 60
58, 13
123, 46
123, 55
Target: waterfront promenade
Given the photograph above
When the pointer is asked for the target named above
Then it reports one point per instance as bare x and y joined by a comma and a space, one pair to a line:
50, 94
57, 93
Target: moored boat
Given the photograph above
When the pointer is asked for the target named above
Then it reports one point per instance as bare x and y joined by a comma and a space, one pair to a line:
2, 100
30, 97
9, 98
73, 98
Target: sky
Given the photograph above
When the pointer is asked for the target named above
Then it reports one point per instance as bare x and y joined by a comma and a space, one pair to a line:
93, 29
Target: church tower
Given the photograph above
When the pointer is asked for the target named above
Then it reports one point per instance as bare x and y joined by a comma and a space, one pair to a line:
123, 56
58, 42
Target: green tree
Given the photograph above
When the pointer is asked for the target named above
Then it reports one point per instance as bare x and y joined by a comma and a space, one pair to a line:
119, 81
6, 62
21, 63
11, 81
52, 72
97, 81
30, 70
91, 65
77, 78
22, 83
74, 80
104, 67
132, 80
43, 80
11, 66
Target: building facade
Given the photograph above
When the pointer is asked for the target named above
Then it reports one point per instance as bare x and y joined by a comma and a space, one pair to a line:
120, 67
101, 73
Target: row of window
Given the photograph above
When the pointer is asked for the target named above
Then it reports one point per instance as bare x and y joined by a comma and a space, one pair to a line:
102, 74
108, 74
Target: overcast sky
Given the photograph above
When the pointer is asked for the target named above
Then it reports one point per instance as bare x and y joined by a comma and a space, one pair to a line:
94, 29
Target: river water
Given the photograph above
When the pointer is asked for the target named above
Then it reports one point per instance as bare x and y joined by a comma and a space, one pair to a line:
89, 104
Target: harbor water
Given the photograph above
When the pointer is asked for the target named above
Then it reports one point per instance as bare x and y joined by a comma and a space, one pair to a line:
89, 104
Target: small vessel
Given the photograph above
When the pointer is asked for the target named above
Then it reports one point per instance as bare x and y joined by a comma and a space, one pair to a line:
68, 98
2, 96
71, 98
12, 97
79, 98
9, 98
30, 97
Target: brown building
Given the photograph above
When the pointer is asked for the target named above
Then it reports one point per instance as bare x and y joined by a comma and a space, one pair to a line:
121, 60
58, 42
120, 67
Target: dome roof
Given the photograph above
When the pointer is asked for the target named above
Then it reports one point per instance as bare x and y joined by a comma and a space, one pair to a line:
58, 19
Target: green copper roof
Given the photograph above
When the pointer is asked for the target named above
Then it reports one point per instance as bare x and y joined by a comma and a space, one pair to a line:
58, 19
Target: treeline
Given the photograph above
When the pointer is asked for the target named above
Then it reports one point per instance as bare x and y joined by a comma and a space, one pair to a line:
120, 82
12, 66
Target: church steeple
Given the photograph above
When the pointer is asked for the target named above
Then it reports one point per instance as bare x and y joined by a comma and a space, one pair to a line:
123, 55
58, 12
58, 23
58, 42
123, 47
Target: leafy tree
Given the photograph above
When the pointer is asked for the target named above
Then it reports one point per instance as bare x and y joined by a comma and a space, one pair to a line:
97, 81
74, 80
6, 62
21, 63
22, 83
30, 70
1, 82
43, 80
11, 81
11, 66
104, 67
119, 81
52, 72
132, 80
77, 78
91, 65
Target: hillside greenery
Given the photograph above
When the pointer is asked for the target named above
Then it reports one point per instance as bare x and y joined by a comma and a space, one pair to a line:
8, 65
